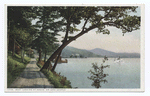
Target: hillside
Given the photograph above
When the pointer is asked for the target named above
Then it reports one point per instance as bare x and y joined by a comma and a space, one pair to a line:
97, 52
68, 51
15, 66
103, 52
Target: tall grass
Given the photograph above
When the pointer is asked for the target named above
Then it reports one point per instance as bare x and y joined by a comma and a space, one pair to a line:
14, 67
56, 79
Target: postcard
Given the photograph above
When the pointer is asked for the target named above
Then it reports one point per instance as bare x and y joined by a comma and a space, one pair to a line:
74, 48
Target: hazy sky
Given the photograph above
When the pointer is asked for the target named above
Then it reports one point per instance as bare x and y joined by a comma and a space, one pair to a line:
115, 42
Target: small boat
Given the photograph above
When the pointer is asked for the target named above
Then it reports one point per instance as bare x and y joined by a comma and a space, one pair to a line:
118, 60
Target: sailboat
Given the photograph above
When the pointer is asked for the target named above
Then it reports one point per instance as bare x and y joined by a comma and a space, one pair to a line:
118, 60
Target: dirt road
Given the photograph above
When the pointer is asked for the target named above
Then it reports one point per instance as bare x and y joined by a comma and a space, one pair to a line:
31, 77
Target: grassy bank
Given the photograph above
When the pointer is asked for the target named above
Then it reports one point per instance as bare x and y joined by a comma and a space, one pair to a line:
15, 66
56, 79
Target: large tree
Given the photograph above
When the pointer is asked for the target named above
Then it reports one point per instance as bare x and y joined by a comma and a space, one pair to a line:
45, 38
94, 18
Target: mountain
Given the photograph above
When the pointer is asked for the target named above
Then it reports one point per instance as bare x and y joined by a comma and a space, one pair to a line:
97, 52
69, 51
103, 52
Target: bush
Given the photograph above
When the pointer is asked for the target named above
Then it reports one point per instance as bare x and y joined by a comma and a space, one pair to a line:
14, 67
57, 80
97, 75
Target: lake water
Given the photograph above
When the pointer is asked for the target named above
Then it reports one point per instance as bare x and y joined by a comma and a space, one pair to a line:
121, 75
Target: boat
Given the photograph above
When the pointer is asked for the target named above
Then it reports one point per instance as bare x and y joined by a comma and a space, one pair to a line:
118, 60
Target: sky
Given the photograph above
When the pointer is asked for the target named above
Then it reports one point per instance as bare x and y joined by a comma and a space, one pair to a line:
115, 41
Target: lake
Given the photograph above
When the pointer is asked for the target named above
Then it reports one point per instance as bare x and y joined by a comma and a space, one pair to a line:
121, 75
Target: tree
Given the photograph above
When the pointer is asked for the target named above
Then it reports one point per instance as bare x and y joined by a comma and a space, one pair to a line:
23, 39
97, 76
45, 38
97, 18
19, 22
69, 18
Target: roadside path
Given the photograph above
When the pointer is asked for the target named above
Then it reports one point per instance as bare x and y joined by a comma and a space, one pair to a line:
31, 77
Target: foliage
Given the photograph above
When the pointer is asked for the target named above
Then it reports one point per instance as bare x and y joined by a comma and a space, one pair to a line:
22, 36
14, 67
19, 16
98, 74
20, 32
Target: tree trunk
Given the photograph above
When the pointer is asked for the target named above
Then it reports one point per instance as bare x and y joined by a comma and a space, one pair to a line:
46, 65
7, 41
23, 54
56, 62
45, 57
29, 54
13, 53
8, 35
39, 56
65, 40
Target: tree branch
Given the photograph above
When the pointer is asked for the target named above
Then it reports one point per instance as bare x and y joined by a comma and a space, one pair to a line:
68, 26
67, 31
115, 25
85, 24
81, 33
105, 16
95, 25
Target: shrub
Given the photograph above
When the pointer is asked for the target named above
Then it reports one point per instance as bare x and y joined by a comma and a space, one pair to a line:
14, 67
56, 79
97, 75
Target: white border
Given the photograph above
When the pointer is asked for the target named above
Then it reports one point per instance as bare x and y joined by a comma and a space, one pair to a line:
5, 47
142, 59
74, 4
142, 48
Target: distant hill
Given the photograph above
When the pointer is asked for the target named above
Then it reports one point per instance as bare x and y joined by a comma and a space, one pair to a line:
103, 52
68, 51
97, 52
